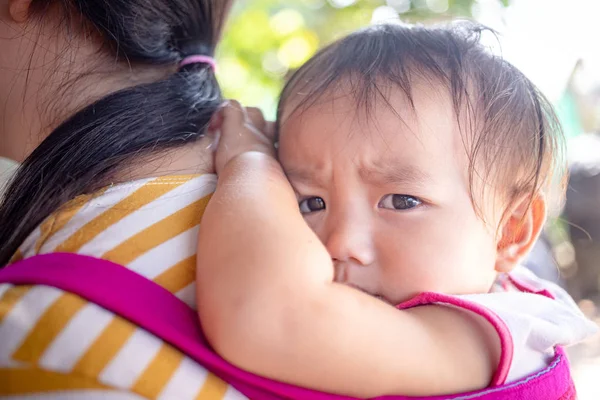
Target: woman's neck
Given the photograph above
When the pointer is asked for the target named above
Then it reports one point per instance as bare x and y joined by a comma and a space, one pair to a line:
190, 159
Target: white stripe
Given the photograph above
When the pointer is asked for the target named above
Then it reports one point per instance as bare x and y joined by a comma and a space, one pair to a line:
76, 338
78, 395
92, 209
4, 288
188, 295
23, 317
132, 360
186, 382
151, 213
162, 257
28, 247
233, 394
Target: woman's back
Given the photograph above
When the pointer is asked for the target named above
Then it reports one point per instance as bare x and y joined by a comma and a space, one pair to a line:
105, 102
54, 341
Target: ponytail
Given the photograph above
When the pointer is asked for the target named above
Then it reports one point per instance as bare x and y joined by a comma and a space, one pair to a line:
87, 149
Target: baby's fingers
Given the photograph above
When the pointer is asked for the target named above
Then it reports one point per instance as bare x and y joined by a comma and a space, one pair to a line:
269, 130
255, 117
233, 117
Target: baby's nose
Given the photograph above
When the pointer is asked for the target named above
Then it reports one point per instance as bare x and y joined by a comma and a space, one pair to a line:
351, 242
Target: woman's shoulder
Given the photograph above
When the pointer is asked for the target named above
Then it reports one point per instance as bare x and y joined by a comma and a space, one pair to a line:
149, 226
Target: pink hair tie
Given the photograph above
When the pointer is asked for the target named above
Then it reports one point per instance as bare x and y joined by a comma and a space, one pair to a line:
199, 59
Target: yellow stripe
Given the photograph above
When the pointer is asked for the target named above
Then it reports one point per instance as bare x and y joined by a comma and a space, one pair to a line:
179, 276
60, 219
157, 375
144, 195
213, 389
45, 230
17, 257
157, 234
19, 381
10, 298
50, 324
105, 347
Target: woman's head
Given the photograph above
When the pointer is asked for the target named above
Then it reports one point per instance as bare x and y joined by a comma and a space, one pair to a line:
61, 55
134, 99
416, 152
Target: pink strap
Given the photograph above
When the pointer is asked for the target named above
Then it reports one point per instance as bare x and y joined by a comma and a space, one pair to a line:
147, 305
153, 308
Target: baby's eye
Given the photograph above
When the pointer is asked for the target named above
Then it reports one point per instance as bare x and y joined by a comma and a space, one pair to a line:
399, 202
312, 204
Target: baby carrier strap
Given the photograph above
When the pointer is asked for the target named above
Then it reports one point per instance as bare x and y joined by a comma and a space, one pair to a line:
153, 308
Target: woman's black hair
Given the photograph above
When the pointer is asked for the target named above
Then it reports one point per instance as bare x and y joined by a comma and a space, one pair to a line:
87, 149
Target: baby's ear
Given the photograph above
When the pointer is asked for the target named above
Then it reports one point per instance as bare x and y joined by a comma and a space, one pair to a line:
19, 10
520, 229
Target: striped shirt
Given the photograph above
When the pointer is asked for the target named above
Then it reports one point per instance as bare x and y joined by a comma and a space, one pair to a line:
56, 345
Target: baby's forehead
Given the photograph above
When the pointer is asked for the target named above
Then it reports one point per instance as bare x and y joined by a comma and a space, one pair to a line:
360, 96
392, 138
423, 115
391, 116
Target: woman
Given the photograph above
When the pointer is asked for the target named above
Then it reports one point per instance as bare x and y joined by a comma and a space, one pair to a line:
96, 91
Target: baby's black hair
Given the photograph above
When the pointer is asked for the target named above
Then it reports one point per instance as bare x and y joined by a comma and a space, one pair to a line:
511, 134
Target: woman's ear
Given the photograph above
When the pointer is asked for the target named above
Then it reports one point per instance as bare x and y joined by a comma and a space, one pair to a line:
520, 230
19, 10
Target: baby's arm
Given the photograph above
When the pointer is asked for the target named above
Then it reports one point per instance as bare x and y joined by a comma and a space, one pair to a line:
268, 302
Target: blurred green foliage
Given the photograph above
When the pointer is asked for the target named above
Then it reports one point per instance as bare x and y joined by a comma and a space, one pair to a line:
267, 39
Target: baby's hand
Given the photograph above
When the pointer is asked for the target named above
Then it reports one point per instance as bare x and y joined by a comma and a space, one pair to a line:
242, 130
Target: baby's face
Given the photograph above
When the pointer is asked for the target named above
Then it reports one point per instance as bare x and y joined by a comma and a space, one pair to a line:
389, 198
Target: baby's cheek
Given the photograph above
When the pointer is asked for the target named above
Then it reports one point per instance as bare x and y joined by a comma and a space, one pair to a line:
315, 221
406, 270
428, 266
474, 265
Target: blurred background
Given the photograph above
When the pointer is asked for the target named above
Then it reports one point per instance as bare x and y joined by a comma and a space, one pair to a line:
552, 41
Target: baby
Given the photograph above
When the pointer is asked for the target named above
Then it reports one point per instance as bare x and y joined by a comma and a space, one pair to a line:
379, 252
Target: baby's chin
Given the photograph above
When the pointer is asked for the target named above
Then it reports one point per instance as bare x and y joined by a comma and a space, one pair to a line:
399, 297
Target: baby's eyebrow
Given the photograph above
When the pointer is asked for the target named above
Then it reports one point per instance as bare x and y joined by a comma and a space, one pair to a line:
396, 174
304, 175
